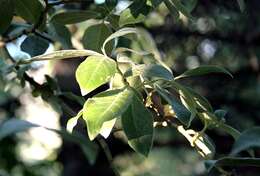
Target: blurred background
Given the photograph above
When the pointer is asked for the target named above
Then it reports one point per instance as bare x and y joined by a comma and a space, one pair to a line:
220, 35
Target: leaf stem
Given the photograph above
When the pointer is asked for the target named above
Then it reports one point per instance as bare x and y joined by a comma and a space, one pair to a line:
108, 154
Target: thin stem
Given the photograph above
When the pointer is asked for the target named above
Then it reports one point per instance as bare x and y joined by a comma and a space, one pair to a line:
108, 154
122, 75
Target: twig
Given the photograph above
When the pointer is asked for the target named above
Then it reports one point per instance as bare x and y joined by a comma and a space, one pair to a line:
108, 154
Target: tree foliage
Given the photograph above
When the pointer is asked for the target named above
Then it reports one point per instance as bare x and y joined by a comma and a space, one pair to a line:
117, 51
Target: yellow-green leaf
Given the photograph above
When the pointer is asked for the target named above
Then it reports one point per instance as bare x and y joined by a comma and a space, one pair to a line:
94, 71
105, 107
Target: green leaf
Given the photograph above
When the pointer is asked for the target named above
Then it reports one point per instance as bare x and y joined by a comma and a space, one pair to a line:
201, 101
34, 45
105, 107
14, 126
150, 72
241, 4
135, 13
95, 71
72, 17
119, 33
186, 98
60, 33
202, 70
148, 44
30, 10
208, 149
180, 7
95, 36
181, 112
230, 130
62, 54
137, 122
232, 161
248, 139
174, 12
6, 14
113, 20
220, 114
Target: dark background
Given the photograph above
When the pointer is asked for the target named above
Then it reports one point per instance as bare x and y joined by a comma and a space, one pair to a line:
221, 35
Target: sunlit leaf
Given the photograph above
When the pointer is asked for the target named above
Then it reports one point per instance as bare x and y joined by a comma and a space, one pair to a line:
62, 54
135, 13
75, 16
94, 71
248, 139
105, 107
72, 122
6, 14
107, 127
95, 36
30, 10
137, 124
202, 70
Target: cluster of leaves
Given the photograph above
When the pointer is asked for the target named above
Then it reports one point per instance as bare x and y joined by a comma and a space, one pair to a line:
143, 91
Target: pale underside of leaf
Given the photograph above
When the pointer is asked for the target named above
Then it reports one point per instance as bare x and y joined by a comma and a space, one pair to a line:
107, 127
119, 33
73, 122
62, 54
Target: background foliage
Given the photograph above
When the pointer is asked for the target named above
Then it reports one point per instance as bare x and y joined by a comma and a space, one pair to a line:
181, 34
